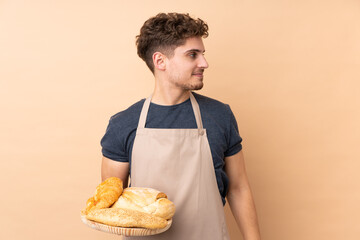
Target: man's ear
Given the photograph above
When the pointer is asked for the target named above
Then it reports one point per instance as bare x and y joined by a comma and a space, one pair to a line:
159, 61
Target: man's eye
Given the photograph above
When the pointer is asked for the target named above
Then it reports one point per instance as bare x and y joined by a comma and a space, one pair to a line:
193, 55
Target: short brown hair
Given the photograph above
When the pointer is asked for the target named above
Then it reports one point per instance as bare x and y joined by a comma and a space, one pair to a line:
165, 32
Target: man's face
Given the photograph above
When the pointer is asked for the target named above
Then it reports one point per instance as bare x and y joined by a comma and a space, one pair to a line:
186, 67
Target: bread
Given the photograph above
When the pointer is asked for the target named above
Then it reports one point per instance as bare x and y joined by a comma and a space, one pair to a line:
105, 195
119, 217
146, 200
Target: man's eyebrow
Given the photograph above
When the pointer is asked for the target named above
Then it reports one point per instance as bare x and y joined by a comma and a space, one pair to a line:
194, 50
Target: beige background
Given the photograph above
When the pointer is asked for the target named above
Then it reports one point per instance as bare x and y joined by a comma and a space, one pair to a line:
289, 70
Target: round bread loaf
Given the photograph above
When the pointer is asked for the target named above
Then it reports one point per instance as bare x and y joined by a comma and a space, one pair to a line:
146, 200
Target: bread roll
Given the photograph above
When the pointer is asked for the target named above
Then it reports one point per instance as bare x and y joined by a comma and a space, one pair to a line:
119, 217
105, 194
146, 200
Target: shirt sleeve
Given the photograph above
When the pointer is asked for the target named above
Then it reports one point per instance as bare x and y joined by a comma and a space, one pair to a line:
234, 139
113, 147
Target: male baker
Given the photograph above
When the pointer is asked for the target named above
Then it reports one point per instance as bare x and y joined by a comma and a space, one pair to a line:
179, 142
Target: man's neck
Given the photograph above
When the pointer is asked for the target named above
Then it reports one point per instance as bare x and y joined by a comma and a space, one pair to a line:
169, 95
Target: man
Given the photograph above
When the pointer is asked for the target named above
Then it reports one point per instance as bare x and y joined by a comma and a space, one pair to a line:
179, 142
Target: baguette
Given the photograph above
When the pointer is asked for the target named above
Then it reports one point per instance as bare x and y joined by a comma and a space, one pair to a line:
119, 217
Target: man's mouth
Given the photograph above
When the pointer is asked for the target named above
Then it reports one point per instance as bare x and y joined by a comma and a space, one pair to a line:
198, 74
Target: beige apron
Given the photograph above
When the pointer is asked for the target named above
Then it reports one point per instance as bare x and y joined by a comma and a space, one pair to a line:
178, 162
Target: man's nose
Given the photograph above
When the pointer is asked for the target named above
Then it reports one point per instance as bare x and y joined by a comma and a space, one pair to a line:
203, 63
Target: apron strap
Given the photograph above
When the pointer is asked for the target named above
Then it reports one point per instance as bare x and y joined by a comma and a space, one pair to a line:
196, 110
144, 112
194, 104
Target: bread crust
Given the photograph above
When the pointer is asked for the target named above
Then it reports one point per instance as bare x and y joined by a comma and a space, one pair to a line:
146, 200
119, 217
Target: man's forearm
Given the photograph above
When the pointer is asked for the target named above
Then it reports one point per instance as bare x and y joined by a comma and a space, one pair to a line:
243, 208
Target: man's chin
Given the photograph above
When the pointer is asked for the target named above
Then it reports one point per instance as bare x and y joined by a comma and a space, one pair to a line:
191, 87
198, 87
194, 87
